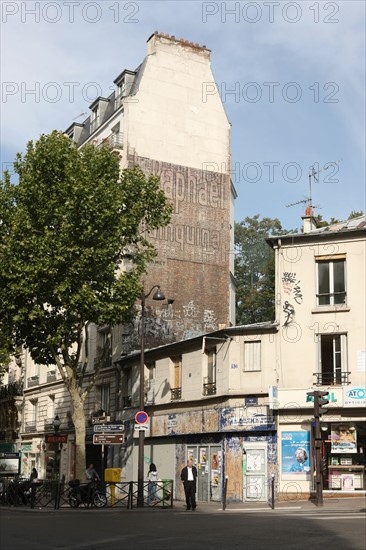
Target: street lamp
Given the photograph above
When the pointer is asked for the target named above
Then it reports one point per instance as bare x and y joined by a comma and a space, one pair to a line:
158, 295
56, 423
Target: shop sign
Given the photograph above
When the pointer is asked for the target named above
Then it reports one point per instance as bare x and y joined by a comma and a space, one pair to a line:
56, 438
239, 418
298, 399
354, 396
26, 447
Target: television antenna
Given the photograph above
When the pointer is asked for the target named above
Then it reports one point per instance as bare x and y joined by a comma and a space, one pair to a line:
81, 114
313, 177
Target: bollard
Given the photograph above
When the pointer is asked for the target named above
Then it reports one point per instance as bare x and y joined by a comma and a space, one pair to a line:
273, 491
225, 493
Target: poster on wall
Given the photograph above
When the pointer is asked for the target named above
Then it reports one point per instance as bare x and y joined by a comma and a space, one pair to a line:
344, 440
348, 482
190, 455
295, 448
214, 478
203, 456
9, 463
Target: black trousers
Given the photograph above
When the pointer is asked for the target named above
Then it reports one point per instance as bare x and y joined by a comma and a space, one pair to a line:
190, 492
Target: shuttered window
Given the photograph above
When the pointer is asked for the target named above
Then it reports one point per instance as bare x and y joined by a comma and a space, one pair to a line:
252, 356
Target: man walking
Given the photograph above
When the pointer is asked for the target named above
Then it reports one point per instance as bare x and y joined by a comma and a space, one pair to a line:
189, 478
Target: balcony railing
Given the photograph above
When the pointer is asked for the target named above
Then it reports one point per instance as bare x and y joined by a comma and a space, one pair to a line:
48, 425
114, 140
30, 427
209, 389
331, 378
176, 393
33, 381
51, 376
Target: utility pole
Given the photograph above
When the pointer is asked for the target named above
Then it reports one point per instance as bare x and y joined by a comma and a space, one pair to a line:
319, 403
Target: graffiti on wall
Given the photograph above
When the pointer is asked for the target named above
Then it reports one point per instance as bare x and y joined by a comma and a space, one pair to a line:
292, 286
289, 311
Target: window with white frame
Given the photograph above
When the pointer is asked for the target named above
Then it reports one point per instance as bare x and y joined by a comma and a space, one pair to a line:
252, 356
332, 359
331, 280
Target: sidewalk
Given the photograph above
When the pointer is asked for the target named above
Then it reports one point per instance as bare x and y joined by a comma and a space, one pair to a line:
355, 504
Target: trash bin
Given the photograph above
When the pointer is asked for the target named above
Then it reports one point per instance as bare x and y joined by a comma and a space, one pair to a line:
113, 476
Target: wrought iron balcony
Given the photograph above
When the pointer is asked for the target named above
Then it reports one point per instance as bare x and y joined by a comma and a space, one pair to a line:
209, 388
331, 378
114, 140
51, 376
33, 381
176, 393
30, 427
48, 425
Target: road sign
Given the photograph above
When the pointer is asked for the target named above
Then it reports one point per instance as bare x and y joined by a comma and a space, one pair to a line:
141, 417
142, 427
100, 419
108, 439
108, 428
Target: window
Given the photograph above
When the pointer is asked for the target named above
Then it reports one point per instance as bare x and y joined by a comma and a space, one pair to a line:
176, 389
127, 388
104, 398
331, 281
120, 93
151, 387
252, 356
209, 386
333, 360
94, 121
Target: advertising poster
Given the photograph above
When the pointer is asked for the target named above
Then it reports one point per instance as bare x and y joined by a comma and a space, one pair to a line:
344, 440
203, 456
295, 452
9, 466
214, 478
190, 454
348, 482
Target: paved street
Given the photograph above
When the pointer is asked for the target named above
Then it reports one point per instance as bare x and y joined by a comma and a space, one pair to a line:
339, 525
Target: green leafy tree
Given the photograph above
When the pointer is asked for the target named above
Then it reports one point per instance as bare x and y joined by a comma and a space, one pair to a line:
254, 269
64, 231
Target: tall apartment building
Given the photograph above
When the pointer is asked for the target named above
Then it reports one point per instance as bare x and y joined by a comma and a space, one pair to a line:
167, 117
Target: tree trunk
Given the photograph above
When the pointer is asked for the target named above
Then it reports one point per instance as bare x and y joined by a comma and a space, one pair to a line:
78, 417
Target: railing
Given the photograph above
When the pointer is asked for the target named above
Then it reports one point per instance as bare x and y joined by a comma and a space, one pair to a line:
58, 494
114, 140
209, 389
11, 390
331, 298
30, 427
51, 376
48, 425
176, 393
33, 381
331, 378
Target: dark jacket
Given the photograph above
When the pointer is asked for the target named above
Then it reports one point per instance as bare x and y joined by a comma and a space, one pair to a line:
184, 474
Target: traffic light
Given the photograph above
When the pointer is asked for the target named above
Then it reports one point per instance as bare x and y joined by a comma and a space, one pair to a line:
322, 401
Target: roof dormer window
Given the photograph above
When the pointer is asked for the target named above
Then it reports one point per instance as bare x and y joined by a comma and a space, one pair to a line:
120, 93
94, 119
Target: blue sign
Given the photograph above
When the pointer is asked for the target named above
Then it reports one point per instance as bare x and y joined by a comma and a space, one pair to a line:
295, 447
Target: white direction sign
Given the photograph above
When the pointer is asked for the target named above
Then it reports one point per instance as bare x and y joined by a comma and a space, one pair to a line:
109, 428
142, 427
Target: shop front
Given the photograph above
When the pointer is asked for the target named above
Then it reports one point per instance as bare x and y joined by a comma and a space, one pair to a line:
343, 442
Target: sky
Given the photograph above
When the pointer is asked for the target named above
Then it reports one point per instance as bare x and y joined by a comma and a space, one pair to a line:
291, 77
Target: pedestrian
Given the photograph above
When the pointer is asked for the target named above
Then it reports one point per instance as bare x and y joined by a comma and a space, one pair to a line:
189, 478
91, 473
152, 477
34, 474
